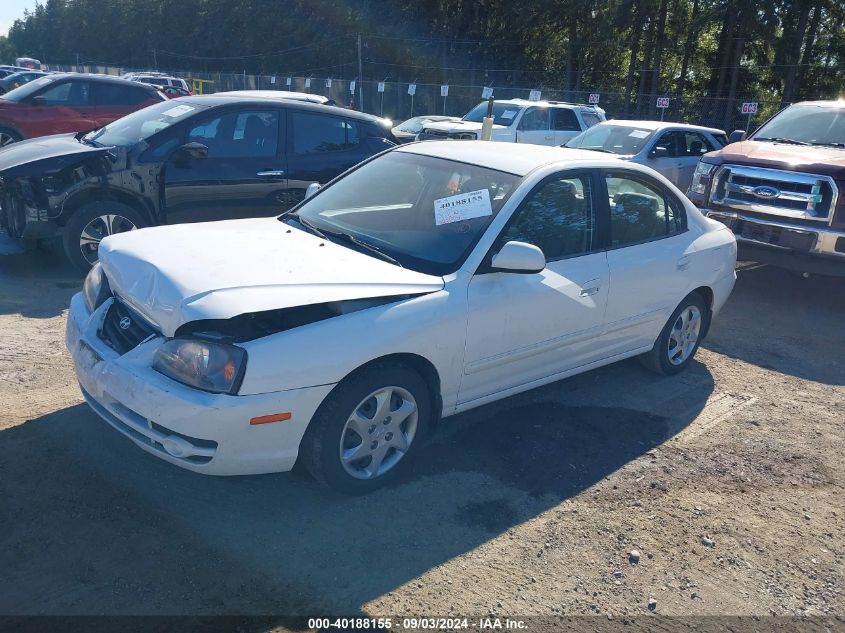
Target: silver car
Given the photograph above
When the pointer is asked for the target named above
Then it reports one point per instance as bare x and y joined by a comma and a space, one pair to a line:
672, 149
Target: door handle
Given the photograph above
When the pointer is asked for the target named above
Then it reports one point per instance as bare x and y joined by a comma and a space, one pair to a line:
683, 263
270, 173
590, 288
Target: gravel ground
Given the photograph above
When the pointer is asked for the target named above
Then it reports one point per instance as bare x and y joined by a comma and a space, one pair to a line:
715, 492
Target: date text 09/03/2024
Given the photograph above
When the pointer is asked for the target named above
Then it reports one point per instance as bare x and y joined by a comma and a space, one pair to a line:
442, 624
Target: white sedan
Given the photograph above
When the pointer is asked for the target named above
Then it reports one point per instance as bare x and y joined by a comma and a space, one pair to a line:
671, 149
428, 280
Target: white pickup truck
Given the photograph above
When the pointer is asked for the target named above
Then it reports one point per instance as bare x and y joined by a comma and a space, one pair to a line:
520, 121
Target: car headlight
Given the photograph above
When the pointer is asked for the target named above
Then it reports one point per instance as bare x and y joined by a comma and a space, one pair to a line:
701, 177
96, 289
206, 365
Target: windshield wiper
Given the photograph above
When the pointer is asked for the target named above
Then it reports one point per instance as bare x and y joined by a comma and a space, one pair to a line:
593, 149
366, 245
309, 227
831, 144
780, 139
346, 237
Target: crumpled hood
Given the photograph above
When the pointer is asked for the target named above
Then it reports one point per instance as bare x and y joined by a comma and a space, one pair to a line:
217, 270
50, 153
455, 127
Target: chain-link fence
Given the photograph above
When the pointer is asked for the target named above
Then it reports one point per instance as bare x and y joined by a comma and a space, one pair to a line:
401, 100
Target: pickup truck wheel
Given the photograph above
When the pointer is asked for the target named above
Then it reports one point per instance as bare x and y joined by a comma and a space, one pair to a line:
8, 136
679, 340
93, 222
368, 428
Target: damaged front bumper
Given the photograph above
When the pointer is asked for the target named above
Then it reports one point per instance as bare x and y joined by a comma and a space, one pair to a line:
203, 432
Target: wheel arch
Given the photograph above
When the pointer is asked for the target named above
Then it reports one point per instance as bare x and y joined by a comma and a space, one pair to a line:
424, 367
706, 293
85, 196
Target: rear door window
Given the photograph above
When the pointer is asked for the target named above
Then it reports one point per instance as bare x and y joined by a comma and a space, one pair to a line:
108, 94
317, 133
564, 120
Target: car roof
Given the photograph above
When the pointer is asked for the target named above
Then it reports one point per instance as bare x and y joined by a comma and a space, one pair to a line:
514, 158
838, 103
660, 125
95, 77
548, 104
220, 99
276, 94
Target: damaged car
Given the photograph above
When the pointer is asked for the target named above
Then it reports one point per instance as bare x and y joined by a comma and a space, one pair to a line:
190, 159
428, 280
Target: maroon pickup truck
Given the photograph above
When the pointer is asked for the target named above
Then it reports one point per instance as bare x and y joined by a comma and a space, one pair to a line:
782, 190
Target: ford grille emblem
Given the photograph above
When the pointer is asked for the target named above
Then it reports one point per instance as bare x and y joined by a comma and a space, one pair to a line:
767, 193
125, 323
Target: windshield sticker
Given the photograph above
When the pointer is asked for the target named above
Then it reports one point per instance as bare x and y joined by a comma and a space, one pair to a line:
178, 111
464, 206
639, 133
508, 114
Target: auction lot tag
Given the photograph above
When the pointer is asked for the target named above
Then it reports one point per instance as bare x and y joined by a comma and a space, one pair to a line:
639, 133
178, 110
508, 114
412, 89
486, 92
464, 206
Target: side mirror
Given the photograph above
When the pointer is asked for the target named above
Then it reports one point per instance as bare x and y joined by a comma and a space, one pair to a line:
38, 101
193, 151
659, 152
737, 136
313, 188
519, 257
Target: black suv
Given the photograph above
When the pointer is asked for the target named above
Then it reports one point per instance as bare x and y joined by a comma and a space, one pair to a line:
190, 159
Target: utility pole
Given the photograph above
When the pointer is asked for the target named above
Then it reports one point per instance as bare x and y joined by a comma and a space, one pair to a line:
360, 77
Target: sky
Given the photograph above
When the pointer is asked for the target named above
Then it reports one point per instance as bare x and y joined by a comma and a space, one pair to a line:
11, 10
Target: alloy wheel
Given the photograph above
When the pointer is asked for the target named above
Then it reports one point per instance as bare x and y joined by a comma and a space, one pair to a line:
378, 432
684, 335
98, 229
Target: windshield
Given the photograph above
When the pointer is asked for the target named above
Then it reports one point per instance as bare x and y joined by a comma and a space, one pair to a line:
813, 124
625, 140
427, 213
503, 113
142, 124
24, 91
412, 125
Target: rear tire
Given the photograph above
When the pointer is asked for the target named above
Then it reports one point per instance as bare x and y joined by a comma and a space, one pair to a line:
91, 223
680, 338
368, 429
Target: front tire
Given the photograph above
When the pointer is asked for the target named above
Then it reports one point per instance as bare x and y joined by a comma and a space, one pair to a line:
9, 136
368, 428
93, 222
680, 338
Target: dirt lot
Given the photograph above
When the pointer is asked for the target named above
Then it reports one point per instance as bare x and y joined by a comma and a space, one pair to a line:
727, 480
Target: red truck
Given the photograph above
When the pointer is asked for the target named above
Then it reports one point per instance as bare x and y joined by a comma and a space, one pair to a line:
69, 102
782, 190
